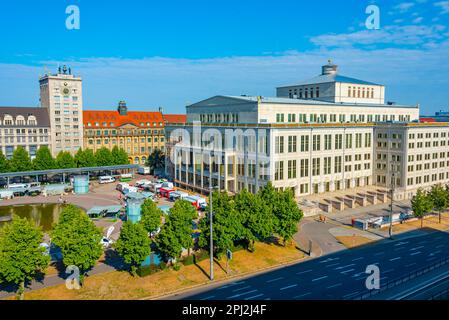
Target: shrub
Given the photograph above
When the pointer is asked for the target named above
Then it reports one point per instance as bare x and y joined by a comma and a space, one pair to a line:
162, 265
188, 260
177, 267
147, 270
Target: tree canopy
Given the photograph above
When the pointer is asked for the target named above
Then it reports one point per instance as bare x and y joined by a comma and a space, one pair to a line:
133, 245
421, 204
4, 163
119, 156
151, 216
85, 158
64, 160
78, 238
21, 256
156, 160
20, 160
43, 160
176, 233
103, 157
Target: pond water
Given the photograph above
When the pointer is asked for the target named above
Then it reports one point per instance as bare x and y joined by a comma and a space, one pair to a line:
43, 215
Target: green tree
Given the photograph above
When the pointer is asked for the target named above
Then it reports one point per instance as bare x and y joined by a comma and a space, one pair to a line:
4, 163
20, 160
21, 256
156, 160
103, 157
78, 238
439, 199
133, 245
43, 160
176, 233
151, 216
421, 205
64, 160
227, 226
288, 215
85, 158
119, 156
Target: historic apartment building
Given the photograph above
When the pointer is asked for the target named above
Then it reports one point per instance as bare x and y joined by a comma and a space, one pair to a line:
341, 136
26, 127
62, 95
139, 133
62, 124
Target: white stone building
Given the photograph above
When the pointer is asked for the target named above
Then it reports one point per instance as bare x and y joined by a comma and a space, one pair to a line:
336, 139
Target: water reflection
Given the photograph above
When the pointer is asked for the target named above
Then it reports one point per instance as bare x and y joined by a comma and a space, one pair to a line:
43, 215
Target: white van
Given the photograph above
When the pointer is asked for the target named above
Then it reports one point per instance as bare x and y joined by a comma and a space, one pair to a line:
143, 170
106, 179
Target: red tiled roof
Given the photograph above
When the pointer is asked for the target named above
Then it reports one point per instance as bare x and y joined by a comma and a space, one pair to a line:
136, 118
175, 118
427, 120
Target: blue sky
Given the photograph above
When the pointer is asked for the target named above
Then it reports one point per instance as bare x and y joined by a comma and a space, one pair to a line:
172, 53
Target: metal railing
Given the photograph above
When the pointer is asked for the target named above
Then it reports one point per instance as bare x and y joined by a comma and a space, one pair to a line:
412, 275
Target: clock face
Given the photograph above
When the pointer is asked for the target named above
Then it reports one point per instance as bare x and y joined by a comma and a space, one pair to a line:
66, 91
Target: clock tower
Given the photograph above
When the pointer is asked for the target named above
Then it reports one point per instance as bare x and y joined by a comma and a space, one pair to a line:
62, 95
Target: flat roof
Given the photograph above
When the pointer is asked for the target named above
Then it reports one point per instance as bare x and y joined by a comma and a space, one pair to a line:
72, 170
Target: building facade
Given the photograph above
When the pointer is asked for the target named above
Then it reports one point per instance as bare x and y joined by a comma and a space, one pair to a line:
62, 95
25, 127
138, 133
307, 144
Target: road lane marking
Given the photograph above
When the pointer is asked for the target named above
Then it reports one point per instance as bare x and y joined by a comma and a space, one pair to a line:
415, 253
288, 287
333, 264
273, 280
346, 271
302, 295
351, 294
209, 297
303, 272
231, 285
360, 258
410, 264
400, 243
439, 246
329, 260
335, 285
320, 278
416, 248
242, 288
252, 297
343, 267
388, 271
379, 253
241, 294
430, 259
394, 259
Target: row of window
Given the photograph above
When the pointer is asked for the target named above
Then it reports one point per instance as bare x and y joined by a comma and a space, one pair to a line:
320, 142
320, 166
342, 118
23, 139
8, 120
112, 124
304, 93
427, 178
124, 132
219, 118
129, 140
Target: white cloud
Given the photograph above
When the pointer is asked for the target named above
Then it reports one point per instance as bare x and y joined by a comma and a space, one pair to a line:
396, 35
443, 5
404, 6
418, 20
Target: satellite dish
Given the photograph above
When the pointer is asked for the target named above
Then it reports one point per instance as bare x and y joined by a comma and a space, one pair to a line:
110, 230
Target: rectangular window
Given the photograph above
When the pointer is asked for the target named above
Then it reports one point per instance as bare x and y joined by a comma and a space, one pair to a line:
279, 170
327, 142
304, 168
292, 144
348, 140
292, 169
315, 166
304, 143
316, 142
327, 165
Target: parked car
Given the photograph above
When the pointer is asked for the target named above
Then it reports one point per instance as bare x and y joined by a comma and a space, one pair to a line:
142, 183
126, 177
106, 242
197, 202
106, 179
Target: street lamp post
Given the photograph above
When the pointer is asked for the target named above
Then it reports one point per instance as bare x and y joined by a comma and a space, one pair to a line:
393, 182
211, 247
211, 240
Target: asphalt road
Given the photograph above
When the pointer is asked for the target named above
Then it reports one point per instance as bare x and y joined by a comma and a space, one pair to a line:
340, 275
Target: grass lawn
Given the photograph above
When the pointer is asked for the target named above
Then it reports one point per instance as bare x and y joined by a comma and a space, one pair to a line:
122, 286
353, 241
